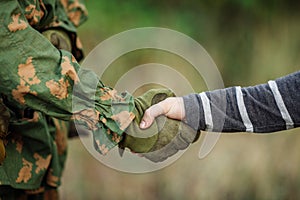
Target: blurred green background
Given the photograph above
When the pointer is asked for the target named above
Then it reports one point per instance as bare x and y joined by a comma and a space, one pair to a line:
251, 42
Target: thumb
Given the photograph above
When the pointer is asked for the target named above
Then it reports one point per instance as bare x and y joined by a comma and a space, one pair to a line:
150, 114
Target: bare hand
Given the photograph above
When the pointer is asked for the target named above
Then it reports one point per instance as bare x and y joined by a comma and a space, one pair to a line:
172, 107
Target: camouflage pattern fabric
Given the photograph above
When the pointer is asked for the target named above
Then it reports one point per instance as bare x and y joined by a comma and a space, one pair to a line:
38, 79
52, 14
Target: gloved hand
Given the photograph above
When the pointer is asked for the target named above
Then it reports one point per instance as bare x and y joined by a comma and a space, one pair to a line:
4, 121
164, 138
58, 38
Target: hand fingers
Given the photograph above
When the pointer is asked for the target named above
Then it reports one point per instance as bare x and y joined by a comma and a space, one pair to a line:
150, 114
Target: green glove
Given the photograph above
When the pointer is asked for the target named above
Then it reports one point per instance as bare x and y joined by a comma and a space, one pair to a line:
4, 121
58, 38
136, 139
171, 140
163, 133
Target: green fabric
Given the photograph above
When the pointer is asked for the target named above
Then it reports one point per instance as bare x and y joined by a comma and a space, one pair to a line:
65, 15
32, 152
37, 76
171, 140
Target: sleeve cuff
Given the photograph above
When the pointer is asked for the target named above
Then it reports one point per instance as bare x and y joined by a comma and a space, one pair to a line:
194, 114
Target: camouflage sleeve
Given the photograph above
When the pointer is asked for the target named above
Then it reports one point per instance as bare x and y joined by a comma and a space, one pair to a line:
35, 74
75, 11
65, 15
68, 15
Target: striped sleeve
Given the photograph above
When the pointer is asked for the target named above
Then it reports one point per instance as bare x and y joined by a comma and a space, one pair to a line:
269, 107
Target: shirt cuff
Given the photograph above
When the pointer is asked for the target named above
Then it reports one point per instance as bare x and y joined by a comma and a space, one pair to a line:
194, 114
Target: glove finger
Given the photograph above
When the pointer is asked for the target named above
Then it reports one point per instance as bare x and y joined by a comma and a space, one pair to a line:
139, 140
184, 136
161, 154
173, 130
59, 39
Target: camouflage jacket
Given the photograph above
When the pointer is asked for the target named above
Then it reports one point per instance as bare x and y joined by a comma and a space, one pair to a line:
35, 75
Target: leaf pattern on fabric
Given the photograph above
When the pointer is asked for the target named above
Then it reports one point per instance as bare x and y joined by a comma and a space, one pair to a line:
41, 163
89, 116
110, 94
123, 118
34, 13
25, 172
17, 24
27, 74
30, 61
68, 69
76, 11
58, 89
20, 92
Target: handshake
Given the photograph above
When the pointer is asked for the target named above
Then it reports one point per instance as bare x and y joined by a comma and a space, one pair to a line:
158, 132
155, 136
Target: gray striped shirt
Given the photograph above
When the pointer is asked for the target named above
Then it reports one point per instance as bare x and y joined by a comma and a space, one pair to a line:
269, 107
